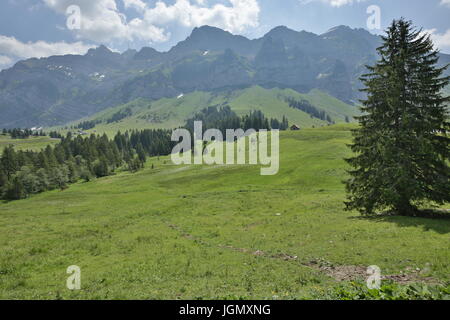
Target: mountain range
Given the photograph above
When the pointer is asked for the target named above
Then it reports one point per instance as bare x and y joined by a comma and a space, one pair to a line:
61, 89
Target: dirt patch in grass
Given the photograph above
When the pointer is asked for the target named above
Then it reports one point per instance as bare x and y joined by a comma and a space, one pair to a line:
339, 273
355, 273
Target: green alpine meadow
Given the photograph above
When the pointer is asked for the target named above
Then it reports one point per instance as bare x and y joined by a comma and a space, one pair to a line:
219, 232
224, 158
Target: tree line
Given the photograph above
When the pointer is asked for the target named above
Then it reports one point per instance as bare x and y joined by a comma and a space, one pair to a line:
23, 173
116, 117
17, 133
223, 118
75, 158
308, 108
119, 115
86, 125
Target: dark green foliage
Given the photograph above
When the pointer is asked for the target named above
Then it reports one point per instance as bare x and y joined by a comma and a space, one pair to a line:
116, 117
255, 120
18, 133
135, 165
402, 146
86, 125
55, 135
15, 190
216, 117
9, 162
223, 118
101, 168
307, 107
152, 143
141, 153
3, 182
26, 172
276, 124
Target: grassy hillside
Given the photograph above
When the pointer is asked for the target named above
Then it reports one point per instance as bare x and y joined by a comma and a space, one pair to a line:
171, 113
32, 143
196, 232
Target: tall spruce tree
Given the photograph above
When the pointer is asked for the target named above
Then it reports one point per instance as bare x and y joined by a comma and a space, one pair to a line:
402, 145
9, 162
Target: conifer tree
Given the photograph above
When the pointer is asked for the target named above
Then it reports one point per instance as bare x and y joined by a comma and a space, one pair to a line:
16, 190
9, 161
3, 181
402, 147
141, 153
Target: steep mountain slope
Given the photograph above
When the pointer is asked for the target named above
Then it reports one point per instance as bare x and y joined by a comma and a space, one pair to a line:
59, 89
208, 38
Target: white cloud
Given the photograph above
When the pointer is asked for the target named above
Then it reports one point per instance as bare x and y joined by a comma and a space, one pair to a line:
5, 62
136, 4
336, 3
12, 49
445, 3
238, 16
102, 21
440, 40
10, 46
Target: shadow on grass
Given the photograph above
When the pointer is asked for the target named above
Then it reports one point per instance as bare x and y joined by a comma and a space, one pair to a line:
434, 220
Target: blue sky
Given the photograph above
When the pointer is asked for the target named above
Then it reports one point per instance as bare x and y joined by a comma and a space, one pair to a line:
38, 28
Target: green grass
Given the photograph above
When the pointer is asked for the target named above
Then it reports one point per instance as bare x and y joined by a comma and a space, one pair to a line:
32, 143
199, 232
173, 112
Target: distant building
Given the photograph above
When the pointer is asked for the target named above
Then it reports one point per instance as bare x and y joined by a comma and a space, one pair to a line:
295, 127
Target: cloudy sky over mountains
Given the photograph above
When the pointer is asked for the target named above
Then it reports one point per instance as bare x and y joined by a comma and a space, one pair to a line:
38, 28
